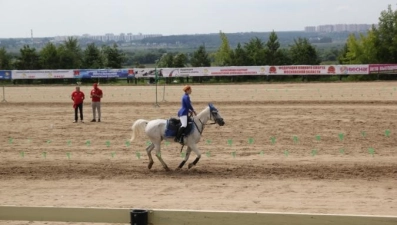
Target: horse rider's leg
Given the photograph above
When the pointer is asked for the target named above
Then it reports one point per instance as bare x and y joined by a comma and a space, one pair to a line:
188, 151
158, 155
195, 149
149, 153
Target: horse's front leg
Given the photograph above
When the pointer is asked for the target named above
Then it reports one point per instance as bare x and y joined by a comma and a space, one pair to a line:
149, 153
188, 151
158, 155
195, 149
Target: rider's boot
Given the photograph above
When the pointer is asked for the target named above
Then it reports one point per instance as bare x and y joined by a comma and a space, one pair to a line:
179, 137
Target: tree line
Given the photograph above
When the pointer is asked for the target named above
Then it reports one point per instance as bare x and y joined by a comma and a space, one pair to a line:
68, 55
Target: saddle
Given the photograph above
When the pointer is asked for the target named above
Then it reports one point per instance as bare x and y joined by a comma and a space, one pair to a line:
173, 125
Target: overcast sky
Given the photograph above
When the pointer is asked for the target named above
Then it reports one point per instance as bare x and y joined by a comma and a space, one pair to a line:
167, 17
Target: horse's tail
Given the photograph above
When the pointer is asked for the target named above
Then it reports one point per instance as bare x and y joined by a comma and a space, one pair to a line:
138, 127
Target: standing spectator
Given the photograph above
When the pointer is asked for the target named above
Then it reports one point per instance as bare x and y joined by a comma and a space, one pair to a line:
78, 98
96, 95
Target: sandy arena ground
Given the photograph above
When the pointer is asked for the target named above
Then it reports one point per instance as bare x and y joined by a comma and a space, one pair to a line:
344, 159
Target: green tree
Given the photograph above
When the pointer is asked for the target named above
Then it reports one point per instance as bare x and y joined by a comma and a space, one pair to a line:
70, 54
5, 59
49, 58
92, 57
238, 56
114, 57
200, 58
273, 54
384, 37
180, 60
166, 60
360, 51
28, 60
303, 53
255, 52
222, 56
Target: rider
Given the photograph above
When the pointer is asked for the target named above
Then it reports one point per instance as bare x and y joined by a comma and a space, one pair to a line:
183, 113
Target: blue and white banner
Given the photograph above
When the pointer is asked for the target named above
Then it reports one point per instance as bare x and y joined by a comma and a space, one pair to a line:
103, 73
5, 74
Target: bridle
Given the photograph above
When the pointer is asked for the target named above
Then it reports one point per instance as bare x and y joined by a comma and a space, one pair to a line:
203, 124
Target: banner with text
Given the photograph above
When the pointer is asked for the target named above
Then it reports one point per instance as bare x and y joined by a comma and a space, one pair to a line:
383, 68
103, 73
5, 74
302, 70
234, 71
41, 74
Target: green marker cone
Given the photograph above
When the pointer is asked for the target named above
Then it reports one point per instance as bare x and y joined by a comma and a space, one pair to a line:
234, 154
208, 153
341, 136
138, 155
273, 139
68, 155
127, 143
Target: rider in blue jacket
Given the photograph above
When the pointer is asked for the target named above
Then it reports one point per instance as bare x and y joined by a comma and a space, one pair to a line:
183, 112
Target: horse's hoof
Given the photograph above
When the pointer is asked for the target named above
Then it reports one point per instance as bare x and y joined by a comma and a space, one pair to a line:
167, 169
150, 165
190, 165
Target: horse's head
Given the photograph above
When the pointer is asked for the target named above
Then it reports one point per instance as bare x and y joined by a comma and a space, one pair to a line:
215, 115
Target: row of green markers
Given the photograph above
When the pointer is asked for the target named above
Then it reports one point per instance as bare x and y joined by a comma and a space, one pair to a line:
251, 141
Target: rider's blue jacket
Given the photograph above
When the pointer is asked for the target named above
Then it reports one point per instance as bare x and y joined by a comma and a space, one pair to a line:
186, 106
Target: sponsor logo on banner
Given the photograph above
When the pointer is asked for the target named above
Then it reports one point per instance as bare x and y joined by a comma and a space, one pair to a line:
383, 68
331, 70
5, 75
42, 74
148, 72
353, 69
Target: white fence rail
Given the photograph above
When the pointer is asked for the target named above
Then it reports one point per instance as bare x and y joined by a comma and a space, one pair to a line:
191, 217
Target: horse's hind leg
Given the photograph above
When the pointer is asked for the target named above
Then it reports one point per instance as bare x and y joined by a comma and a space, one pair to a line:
158, 155
149, 153
188, 151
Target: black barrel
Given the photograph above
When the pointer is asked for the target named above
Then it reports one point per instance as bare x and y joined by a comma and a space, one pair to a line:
139, 217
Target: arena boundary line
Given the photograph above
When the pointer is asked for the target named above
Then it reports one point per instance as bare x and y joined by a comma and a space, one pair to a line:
179, 217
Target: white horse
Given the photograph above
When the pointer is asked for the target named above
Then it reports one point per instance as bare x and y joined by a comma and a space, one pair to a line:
155, 130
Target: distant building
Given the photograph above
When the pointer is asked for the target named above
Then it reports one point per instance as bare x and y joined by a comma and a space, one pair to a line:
328, 28
310, 29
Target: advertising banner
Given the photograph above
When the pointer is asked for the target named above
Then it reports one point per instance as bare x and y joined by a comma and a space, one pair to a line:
353, 69
103, 73
5, 74
42, 74
234, 71
383, 68
302, 70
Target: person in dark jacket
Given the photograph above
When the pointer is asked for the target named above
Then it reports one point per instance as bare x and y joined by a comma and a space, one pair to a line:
183, 113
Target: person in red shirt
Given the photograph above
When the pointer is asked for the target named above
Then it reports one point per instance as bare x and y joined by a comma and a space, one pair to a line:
78, 98
96, 95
